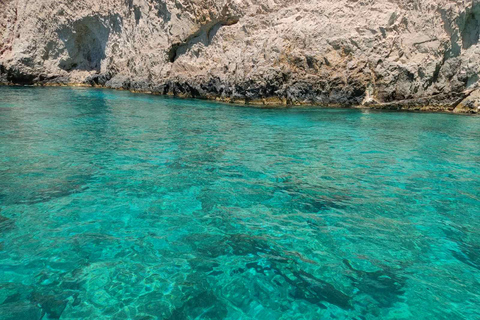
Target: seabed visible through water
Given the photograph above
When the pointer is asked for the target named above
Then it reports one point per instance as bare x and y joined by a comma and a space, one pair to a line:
116, 205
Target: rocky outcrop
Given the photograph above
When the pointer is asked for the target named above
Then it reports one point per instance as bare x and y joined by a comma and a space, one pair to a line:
400, 54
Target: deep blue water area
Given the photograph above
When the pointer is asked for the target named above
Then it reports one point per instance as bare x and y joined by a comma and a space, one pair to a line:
116, 205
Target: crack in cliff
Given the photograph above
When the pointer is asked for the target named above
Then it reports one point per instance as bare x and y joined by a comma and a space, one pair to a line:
464, 96
470, 28
426, 41
436, 73
464, 31
204, 35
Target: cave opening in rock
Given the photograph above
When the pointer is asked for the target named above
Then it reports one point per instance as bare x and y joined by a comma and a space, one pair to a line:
204, 35
85, 42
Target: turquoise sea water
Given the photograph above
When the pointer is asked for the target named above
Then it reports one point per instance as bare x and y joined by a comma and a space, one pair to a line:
125, 206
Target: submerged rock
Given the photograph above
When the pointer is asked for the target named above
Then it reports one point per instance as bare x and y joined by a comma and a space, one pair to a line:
51, 305
384, 286
6, 223
205, 305
399, 54
20, 310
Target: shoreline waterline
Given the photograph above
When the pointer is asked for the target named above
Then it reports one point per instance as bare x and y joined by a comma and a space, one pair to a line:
271, 102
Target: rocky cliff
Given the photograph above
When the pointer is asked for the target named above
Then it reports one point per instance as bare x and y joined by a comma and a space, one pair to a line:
413, 54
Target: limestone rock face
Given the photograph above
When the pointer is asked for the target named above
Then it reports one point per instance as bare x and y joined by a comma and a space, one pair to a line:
470, 104
413, 54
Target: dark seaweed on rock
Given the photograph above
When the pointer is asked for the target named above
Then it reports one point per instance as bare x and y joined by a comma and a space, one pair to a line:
21, 310
314, 290
384, 286
26, 302
310, 200
468, 254
63, 189
6, 223
303, 286
51, 305
247, 245
204, 305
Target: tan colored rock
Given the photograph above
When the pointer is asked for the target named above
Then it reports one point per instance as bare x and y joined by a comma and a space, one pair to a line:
385, 53
471, 104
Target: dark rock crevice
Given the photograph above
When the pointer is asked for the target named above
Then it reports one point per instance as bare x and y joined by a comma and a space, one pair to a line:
453, 48
99, 79
16, 76
464, 31
204, 35
3, 74
470, 27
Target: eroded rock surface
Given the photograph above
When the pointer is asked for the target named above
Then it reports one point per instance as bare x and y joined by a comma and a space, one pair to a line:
406, 54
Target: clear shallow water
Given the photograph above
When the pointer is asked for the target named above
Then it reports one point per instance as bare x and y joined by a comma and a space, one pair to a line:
122, 206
